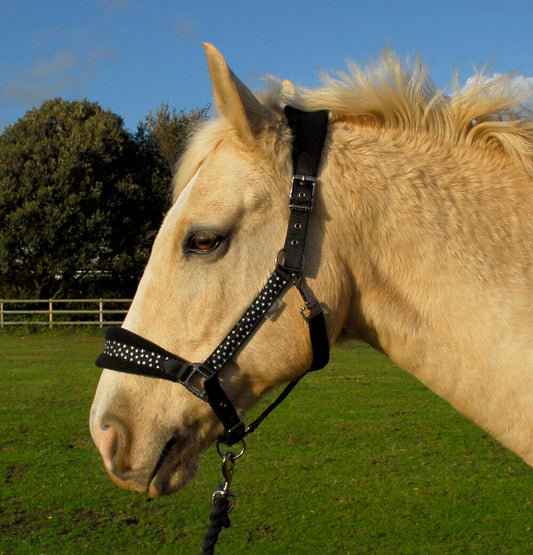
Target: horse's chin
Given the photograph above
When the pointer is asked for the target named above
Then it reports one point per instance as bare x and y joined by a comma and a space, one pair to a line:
169, 479
174, 467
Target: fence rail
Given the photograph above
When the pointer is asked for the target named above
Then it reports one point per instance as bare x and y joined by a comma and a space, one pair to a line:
62, 312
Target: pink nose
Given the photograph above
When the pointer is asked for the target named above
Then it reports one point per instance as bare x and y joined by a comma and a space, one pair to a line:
106, 441
111, 448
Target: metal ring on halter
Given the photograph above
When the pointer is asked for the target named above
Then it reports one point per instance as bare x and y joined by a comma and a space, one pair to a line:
278, 255
276, 260
234, 457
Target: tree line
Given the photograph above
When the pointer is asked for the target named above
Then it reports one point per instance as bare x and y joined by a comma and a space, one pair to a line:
82, 198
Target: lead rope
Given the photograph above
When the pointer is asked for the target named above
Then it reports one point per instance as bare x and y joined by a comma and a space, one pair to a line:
218, 519
222, 501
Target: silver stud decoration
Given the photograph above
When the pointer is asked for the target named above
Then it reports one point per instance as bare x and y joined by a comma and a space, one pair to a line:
136, 355
248, 321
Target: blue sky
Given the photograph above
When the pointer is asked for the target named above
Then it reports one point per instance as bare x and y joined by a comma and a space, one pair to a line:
133, 55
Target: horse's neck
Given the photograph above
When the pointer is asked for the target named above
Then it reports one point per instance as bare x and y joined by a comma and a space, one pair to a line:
440, 256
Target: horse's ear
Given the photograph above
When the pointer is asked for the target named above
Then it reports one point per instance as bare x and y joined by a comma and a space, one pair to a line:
234, 101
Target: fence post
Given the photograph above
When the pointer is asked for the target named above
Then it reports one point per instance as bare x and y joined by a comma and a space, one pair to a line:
50, 317
2, 314
101, 313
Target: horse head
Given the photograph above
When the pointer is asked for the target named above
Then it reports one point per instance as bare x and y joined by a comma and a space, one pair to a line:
216, 247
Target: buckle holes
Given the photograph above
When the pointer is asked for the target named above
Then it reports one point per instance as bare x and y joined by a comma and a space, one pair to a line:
297, 226
294, 242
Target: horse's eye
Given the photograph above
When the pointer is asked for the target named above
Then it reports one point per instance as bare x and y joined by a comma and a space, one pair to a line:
204, 242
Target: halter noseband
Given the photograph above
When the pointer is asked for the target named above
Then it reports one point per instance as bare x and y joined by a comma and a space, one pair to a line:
125, 351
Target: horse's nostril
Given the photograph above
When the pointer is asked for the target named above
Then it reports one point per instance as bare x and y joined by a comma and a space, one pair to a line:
106, 440
112, 445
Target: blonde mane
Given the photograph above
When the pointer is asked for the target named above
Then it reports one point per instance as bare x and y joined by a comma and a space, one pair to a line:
388, 94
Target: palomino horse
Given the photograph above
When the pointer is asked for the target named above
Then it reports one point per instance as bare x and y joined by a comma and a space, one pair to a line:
419, 244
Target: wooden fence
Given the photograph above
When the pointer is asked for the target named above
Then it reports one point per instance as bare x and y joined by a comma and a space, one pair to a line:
62, 312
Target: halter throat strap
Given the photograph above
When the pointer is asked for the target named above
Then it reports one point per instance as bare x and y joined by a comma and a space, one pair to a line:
125, 351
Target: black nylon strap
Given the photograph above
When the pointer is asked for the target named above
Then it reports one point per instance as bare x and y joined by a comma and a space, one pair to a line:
309, 132
218, 400
319, 340
126, 351
302, 197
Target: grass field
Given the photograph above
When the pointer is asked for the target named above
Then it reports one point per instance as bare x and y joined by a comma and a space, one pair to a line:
360, 459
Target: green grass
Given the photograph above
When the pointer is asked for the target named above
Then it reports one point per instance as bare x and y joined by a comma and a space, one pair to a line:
361, 458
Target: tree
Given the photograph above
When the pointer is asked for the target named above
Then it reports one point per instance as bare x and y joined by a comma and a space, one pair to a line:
80, 203
169, 130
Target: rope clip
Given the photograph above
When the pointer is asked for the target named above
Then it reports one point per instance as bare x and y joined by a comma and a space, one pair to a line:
228, 464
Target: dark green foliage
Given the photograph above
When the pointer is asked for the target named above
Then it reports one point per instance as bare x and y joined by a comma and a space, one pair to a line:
81, 200
167, 131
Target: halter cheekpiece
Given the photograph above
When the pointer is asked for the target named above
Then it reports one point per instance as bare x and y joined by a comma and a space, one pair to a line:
125, 351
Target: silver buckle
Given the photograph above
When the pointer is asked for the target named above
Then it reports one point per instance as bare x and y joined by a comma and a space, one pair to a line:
307, 204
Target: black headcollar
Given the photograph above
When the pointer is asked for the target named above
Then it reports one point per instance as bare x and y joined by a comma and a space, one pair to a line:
125, 351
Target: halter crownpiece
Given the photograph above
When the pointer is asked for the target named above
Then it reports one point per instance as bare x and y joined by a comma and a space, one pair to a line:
125, 351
